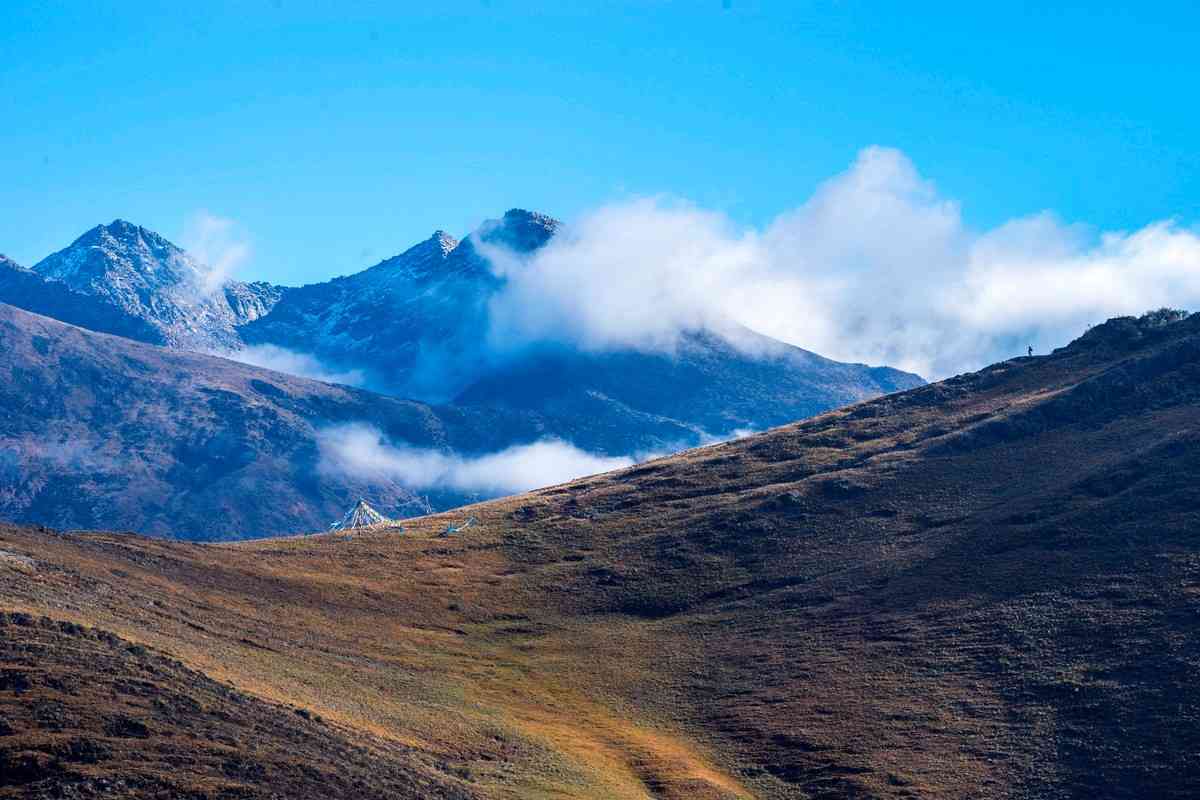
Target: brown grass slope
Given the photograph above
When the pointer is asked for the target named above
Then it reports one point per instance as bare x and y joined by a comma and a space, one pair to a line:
987, 587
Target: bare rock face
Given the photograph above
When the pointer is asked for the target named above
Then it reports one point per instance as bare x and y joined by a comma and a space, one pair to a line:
250, 301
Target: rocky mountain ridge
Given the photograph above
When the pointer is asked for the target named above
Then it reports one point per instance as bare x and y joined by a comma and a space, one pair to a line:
144, 276
418, 325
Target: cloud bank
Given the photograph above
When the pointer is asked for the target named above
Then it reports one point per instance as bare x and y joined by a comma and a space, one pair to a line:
292, 362
363, 452
875, 267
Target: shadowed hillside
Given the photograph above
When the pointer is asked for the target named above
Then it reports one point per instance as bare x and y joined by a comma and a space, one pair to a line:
100, 432
986, 587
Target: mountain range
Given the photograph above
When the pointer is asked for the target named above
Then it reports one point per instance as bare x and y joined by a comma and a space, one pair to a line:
987, 587
417, 326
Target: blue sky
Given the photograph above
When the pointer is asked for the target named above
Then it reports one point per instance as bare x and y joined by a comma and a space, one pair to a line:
335, 138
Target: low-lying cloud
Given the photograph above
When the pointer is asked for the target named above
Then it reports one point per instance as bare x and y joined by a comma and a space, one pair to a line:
292, 362
875, 267
363, 452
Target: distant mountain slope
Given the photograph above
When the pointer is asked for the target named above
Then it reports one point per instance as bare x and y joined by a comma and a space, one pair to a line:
984, 588
101, 432
708, 384
145, 277
418, 325
25, 289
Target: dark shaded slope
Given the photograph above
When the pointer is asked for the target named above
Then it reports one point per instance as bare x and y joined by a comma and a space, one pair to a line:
102, 432
27, 290
987, 587
708, 386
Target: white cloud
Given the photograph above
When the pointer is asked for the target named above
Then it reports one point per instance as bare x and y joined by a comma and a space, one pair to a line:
292, 362
627, 275
218, 244
363, 452
78, 453
876, 267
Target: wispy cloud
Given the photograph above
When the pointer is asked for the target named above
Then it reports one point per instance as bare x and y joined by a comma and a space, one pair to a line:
292, 362
79, 453
877, 266
364, 453
220, 246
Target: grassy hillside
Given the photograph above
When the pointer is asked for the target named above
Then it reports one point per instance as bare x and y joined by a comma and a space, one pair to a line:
987, 587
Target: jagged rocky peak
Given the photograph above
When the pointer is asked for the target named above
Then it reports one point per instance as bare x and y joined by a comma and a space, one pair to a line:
520, 230
123, 253
436, 247
8, 263
137, 274
124, 229
521, 216
123, 234
421, 259
443, 241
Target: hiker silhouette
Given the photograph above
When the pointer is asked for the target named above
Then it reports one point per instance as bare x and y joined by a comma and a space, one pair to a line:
1030, 350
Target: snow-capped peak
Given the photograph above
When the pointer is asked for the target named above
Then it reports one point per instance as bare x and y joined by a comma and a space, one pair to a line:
121, 254
444, 241
420, 260
520, 230
148, 277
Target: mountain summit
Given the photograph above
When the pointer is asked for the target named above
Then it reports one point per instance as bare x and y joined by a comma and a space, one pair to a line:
422, 260
520, 230
121, 258
142, 275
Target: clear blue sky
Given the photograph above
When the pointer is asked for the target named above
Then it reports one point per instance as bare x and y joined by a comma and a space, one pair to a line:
338, 137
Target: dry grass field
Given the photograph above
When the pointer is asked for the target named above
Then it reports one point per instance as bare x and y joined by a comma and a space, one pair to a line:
987, 587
